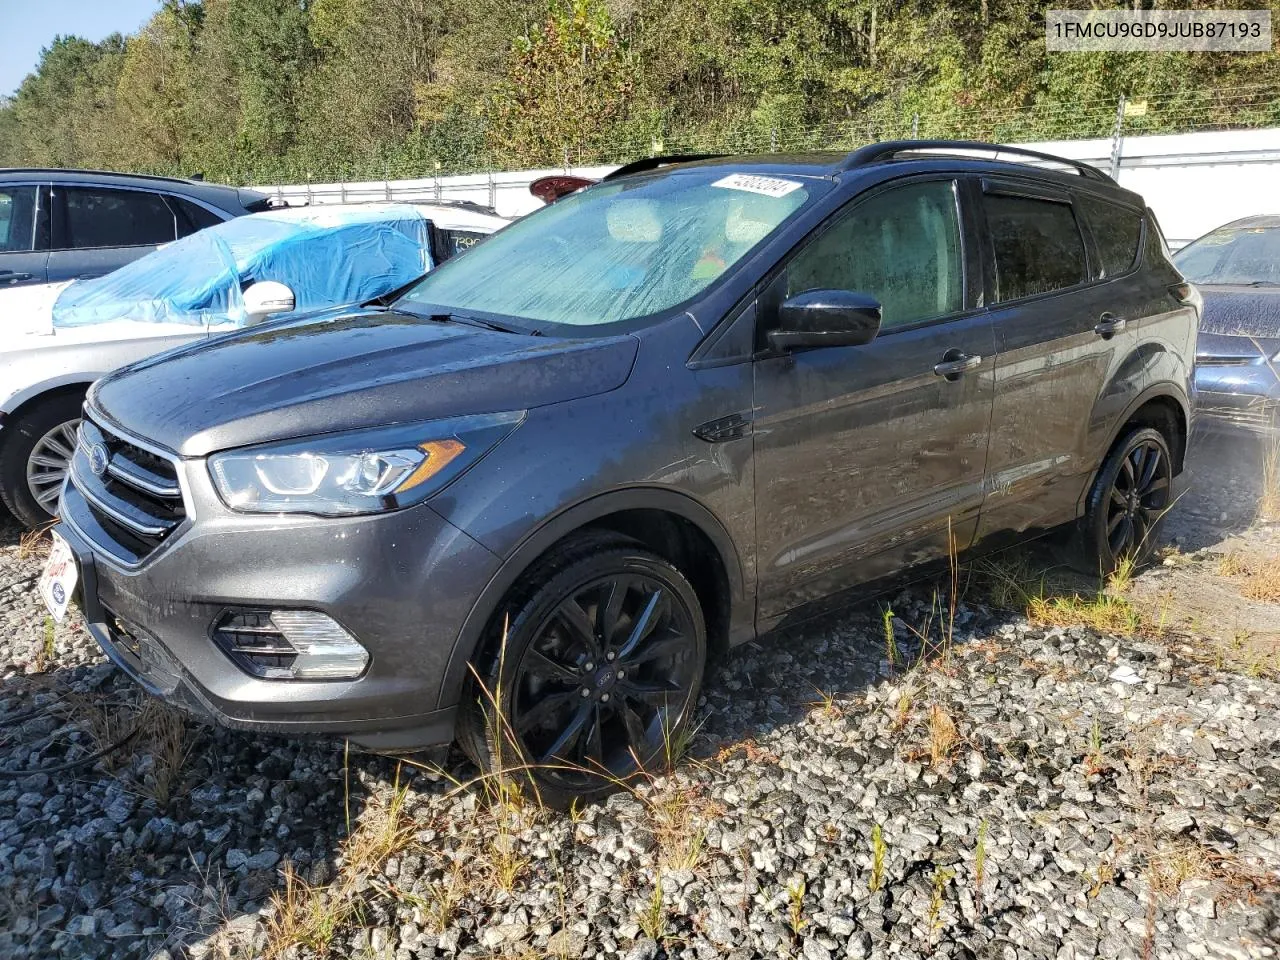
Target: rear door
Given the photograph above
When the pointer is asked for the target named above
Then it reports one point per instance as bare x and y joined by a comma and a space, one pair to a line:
870, 458
24, 234
97, 229
1061, 330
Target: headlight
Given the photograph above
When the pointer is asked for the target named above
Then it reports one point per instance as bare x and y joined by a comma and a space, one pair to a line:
368, 471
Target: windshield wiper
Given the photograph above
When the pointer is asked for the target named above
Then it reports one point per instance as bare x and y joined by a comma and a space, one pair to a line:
1263, 283
482, 322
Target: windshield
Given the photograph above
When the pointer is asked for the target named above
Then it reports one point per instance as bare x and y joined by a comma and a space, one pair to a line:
1233, 255
614, 252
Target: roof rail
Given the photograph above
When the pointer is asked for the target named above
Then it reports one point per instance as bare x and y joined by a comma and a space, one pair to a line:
199, 178
653, 163
890, 149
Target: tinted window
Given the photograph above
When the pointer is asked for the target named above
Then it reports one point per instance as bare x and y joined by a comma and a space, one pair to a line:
902, 247
1037, 246
1233, 255
453, 242
97, 217
1116, 231
192, 216
17, 218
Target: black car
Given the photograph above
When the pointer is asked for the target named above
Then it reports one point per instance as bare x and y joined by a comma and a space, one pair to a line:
69, 224
649, 421
1237, 270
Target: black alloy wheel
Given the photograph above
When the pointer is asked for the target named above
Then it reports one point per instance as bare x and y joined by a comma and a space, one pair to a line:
1129, 499
600, 674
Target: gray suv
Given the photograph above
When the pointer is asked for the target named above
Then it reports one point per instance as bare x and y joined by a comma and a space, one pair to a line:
71, 224
522, 503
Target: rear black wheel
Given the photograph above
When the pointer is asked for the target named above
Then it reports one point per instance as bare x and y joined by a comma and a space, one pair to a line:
1128, 501
599, 674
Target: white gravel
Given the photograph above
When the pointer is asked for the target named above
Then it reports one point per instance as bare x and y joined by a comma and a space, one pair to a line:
1111, 820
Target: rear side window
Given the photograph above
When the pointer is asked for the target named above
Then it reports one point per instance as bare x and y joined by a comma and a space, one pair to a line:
17, 219
98, 217
192, 216
1116, 232
1036, 244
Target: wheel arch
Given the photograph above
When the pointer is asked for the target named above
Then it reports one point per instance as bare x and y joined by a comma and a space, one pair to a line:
672, 524
26, 400
1162, 406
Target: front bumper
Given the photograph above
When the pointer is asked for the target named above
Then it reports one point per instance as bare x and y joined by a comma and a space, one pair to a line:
401, 583
1244, 395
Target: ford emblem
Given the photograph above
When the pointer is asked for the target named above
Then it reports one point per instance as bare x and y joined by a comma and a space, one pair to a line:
98, 459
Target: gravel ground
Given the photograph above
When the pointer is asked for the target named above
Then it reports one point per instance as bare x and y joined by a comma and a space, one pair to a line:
1026, 805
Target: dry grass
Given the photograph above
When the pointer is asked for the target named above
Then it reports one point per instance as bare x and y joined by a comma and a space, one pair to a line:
34, 544
311, 915
1269, 500
1010, 582
943, 735
1259, 576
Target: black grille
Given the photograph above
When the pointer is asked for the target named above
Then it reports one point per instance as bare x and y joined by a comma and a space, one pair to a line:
131, 496
255, 643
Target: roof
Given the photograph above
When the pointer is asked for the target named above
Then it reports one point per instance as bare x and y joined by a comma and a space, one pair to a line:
447, 216
231, 199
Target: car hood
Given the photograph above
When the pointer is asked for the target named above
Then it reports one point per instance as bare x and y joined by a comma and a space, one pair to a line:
29, 309
1240, 311
358, 369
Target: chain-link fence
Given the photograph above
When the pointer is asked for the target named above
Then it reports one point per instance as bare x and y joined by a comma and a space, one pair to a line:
1221, 108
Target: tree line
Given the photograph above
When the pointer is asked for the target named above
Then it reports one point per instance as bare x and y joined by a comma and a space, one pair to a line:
293, 90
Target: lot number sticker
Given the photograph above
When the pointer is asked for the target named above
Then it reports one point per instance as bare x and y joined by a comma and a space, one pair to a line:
768, 186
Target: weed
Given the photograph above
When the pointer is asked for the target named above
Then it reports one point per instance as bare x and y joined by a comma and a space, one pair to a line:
795, 905
890, 643
301, 915
827, 706
1105, 612
1269, 501
941, 878
164, 736
1121, 578
653, 918
48, 651
1095, 761
979, 867
906, 701
878, 853
943, 735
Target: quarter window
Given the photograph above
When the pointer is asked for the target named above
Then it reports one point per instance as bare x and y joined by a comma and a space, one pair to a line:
17, 219
97, 217
1037, 246
901, 247
1116, 232
192, 216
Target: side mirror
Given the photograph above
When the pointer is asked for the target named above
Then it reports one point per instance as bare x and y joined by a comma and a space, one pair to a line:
266, 297
826, 318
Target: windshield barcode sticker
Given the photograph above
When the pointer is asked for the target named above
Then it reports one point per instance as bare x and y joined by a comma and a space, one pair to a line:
769, 186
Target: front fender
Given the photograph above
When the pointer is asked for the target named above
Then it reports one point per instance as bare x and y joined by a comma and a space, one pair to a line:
556, 528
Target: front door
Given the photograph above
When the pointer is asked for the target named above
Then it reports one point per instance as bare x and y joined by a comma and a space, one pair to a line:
24, 235
871, 458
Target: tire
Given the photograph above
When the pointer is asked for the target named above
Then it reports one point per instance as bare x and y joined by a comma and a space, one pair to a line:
1123, 520
572, 721
36, 427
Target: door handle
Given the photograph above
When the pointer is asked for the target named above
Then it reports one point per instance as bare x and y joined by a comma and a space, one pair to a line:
8, 276
1109, 325
955, 364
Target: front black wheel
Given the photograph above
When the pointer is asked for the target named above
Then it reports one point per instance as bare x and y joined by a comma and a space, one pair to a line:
598, 676
35, 455
1128, 501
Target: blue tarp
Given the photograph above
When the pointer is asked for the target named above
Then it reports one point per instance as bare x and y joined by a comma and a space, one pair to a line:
327, 257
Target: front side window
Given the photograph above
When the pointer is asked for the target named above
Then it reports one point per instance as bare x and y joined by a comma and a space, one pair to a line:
901, 247
1037, 246
1233, 255
615, 252
17, 219
101, 217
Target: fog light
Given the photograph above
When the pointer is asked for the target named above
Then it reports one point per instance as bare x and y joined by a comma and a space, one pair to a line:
290, 645
325, 650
